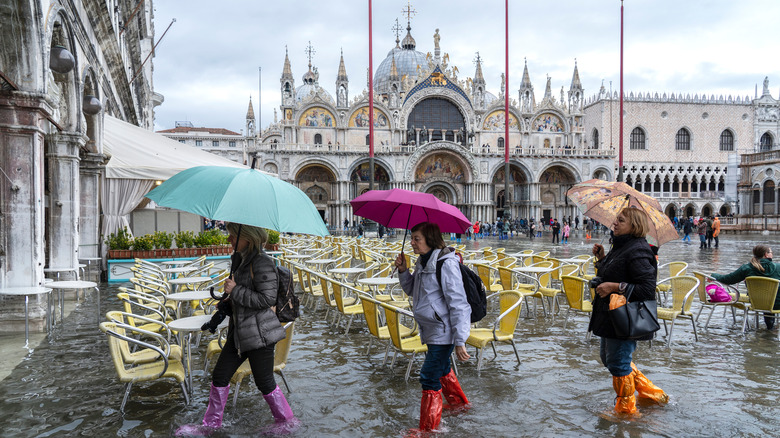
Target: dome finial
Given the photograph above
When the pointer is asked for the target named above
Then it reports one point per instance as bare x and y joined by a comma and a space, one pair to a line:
397, 30
408, 42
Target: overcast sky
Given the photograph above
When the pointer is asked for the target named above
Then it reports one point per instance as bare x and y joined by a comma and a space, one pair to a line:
207, 64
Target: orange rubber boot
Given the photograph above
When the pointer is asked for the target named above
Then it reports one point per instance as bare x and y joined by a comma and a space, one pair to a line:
452, 391
430, 410
646, 389
625, 402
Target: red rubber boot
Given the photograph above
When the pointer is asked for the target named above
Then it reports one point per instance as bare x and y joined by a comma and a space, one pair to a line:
452, 391
430, 410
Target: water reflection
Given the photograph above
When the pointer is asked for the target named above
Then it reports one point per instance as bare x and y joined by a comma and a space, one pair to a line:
723, 385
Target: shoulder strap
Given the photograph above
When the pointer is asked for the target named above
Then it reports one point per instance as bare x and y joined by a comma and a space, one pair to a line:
439, 264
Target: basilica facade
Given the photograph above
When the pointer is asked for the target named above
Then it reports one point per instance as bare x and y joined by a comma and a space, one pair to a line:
434, 132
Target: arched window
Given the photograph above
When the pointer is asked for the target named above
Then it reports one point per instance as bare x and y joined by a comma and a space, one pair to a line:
596, 143
317, 138
726, 141
682, 141
769, 192
368, 140
437, 114
638, 139
766, 142
501, 143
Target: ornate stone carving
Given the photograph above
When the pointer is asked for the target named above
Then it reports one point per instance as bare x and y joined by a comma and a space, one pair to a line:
455, 148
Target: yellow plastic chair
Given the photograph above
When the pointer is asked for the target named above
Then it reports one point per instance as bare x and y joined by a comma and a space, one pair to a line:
376, 330
144, 355
508, 262
281, 353
163, 367
486, 274
671, 269
552, 293
704, 299
500, 330
683, 289
408, 346
574, 290
215, 347
762, 292
346, 306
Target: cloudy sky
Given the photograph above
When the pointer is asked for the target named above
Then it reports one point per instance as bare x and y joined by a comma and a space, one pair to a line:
207, 64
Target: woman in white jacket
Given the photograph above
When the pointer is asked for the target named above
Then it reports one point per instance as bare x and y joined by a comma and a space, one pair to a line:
444, 316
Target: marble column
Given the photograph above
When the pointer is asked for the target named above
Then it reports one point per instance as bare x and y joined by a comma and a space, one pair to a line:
417, 136
91, 167
64, 187
22, 129
761, 201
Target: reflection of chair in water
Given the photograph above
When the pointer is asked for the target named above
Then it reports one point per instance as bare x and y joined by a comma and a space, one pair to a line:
704, 299
762, 292
281, 353
682, 288
163, 366
502, 329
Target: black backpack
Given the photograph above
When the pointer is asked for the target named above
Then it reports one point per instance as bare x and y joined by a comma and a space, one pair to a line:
475, 290
287, 304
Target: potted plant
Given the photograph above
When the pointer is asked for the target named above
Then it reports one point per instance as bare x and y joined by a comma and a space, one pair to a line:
184, 240
162, 241
143, 246
201, 242
273, 241
119, 244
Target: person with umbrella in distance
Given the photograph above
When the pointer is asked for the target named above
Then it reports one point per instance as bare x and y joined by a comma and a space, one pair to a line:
253, 332
630, 262
444, 316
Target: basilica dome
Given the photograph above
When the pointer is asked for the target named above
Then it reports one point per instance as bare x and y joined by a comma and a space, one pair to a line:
311, 86
406, 61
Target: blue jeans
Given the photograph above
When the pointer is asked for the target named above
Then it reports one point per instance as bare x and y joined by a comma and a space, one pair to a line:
436, 366
616, 355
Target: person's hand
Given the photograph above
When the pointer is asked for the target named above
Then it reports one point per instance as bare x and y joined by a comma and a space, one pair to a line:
461, 353
400, 263
229, 285
598, 251
606, 288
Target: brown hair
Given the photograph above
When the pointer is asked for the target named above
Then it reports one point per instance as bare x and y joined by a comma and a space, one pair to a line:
759, 252
431, 233
638, 220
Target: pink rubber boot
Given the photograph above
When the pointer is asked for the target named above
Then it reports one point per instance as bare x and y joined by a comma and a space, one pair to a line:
212, 420
283, 415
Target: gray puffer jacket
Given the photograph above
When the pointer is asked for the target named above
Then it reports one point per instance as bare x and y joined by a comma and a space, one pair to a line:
254, 323
442, 312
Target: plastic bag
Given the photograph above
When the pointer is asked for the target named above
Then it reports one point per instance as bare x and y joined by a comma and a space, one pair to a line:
717, 293
616, 300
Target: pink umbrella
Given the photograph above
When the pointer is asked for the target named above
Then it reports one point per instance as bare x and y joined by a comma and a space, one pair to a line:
397, 208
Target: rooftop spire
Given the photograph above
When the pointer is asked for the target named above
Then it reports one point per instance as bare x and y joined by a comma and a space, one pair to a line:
342, 76
287, 71
397, 30
478, 77
548, 90
526, 83
250, 113
393, 70
409, 43
575, 79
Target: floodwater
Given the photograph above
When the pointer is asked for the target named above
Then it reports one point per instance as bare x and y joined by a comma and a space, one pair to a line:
724, 385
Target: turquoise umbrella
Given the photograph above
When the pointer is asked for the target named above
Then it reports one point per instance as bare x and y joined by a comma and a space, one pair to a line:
240, 195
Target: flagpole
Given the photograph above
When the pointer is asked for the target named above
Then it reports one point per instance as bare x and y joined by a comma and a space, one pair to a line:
620, 159
507, 201
370, 104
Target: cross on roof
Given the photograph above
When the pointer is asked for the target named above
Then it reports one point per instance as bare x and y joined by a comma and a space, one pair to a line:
397, 29
477, 59
310, 52
409, 11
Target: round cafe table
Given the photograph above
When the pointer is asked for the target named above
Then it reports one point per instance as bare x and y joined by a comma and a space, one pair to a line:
180, 270
533, 269
190, 325
375, 282
195, 295
477, 261
175, 263
26, 291
343, 273
77, 284
175, 282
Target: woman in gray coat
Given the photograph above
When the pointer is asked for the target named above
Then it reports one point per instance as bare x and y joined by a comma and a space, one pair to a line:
253, 332
444, 316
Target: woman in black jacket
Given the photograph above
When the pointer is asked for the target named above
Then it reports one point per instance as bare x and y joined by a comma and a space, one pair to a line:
630, 262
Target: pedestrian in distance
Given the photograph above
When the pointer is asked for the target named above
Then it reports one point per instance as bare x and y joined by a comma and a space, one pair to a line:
701, 229
566, 230
687, 229
709, 222
716, 230
556, 231
761, 265
253, 332
629, 264
443, 315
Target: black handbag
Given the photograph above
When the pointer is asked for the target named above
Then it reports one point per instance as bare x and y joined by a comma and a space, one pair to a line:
635, 319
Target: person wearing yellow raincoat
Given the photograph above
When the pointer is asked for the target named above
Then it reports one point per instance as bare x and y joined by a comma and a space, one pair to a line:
630, 262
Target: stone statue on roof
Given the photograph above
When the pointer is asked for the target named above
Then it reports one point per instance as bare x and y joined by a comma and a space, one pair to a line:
436, 39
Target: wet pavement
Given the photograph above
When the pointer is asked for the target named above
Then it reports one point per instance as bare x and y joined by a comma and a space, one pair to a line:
724, 385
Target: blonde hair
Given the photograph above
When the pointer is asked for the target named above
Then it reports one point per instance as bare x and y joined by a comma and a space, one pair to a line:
638, 220
256, 236
759, 252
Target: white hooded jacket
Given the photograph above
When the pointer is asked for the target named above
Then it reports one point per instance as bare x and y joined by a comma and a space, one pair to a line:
442, 313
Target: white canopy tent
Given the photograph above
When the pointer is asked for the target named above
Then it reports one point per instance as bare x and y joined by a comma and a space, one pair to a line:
139, 158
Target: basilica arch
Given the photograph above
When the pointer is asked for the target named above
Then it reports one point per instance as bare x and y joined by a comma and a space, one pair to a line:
470, 172
520, 190
360, 177
319, 182
553, 183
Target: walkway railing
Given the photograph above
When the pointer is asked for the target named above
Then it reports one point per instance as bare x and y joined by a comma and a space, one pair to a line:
475, 149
